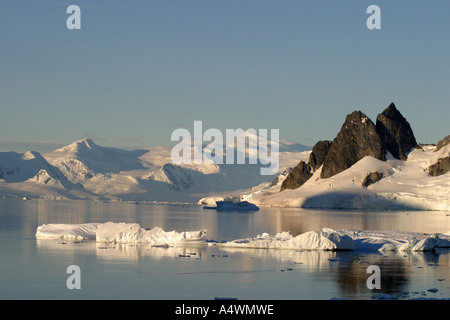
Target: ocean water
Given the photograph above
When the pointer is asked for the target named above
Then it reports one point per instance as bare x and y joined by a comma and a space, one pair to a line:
37, 269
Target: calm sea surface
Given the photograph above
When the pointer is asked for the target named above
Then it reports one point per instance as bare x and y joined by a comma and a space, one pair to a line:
37, 269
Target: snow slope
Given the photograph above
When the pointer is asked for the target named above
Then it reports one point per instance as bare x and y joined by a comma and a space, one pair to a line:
29, 174
85, 170
406, 185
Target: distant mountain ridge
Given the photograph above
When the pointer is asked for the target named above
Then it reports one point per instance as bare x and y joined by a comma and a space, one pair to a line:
366, 166
86, 170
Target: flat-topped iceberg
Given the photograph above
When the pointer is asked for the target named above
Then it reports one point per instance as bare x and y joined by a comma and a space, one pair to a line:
329, 239
67, 231
396, 240
118, 233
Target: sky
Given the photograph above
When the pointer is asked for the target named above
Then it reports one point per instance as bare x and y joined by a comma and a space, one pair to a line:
138, 70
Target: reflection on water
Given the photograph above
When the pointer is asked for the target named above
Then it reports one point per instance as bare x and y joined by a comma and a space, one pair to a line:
204, 271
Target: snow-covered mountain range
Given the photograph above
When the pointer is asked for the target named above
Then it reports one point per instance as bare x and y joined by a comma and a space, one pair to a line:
86, 170
367, 166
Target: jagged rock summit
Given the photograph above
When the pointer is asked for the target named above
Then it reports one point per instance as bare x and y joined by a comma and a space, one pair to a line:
303, 171
319, 153
359, 137
395, 132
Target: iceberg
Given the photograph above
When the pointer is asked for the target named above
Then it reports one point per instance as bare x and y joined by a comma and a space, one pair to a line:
67, 231
396, 241
134, 233
230, 206
327, 239
131, 233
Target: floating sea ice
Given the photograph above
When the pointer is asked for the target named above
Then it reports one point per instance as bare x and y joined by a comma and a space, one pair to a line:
67, 231
134, 233
327, 239
428, 243
117, 232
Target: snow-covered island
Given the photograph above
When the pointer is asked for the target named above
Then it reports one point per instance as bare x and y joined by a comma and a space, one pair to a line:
367, 170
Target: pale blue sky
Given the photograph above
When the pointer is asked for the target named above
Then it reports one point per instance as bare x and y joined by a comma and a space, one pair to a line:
137, 70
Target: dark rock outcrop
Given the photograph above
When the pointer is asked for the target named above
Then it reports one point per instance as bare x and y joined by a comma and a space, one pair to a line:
297, 177
395, 132
357, 139
318, 154
442, 166
372, 178
442, 143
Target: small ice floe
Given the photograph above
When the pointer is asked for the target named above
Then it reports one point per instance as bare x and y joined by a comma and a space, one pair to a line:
230, 205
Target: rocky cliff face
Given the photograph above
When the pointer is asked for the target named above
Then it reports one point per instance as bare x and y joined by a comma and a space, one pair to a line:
395, 132
297, 176
357, 139
303, 171
442, 143
442, 166
318, 154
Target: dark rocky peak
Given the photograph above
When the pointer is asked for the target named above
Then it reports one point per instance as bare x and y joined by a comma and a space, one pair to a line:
319, 153
357, 139
395, 132
297, 176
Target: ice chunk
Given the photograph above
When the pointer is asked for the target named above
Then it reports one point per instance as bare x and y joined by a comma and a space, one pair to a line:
233, 206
